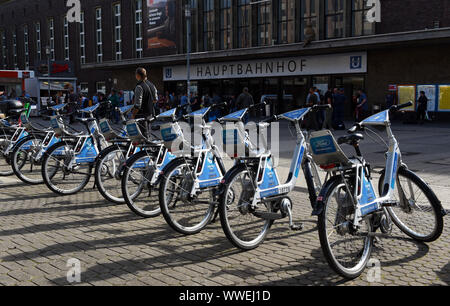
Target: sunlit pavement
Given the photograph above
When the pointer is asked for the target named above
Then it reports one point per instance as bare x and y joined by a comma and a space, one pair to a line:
40, 232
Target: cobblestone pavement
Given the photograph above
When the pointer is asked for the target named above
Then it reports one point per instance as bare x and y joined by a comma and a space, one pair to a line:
40, 232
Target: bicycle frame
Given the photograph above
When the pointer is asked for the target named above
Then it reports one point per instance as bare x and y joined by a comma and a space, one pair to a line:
209, 168
267, 184
365, 195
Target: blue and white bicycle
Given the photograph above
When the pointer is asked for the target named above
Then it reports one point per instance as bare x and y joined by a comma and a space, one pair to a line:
187, 192
11, 132
349, 210
252, 196
67, 165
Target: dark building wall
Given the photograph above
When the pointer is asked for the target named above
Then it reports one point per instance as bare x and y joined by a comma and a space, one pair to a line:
422, 65
410, 15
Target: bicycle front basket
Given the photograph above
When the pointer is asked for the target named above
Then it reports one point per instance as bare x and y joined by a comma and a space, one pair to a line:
106, 130
326, 151
172, 136
57, 125
134, 131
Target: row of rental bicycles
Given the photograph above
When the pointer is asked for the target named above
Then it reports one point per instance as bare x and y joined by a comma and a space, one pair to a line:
189, 184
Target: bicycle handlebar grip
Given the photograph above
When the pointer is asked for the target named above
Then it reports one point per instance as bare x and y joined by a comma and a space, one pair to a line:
321, 107
396, 108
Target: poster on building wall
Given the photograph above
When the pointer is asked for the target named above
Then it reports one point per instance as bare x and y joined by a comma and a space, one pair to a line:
430, 93
407, 93
160, 32
444, 98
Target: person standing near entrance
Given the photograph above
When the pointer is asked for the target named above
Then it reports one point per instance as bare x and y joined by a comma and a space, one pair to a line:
422, 108
144, 97
311, 118
245, 100
362, 107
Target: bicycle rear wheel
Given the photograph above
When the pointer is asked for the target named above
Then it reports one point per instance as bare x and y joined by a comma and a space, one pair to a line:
419, 213
346, 249
60, 173
184, 214
24, 164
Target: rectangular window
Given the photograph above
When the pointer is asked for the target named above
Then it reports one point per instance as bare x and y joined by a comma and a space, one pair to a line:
98, 34
66, 39
264, 23
51, 38
225, 25
101, 87
244, 21
84, 88
26, 47
286, 21
138, 32
16, 65
4, 50
117, 31
82, 40
360, 25
309, 19
334, 18
208, 25
51, 35
38, 41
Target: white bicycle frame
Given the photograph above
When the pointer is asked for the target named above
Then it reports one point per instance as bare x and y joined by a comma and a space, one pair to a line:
367, 202
266, 167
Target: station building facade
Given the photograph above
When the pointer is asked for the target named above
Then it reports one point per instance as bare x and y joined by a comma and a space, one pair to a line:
278, 48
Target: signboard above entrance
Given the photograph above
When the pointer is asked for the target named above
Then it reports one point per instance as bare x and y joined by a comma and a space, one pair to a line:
290, 66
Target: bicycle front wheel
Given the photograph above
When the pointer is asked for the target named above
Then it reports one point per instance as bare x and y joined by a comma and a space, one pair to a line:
61, 173
346, 248
242, 227
108, 173
185, 214
5, 159
24, 163
137, 189
418, 213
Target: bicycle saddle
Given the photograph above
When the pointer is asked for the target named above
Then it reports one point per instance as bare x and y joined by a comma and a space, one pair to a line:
351, 139
90, 110
85, 120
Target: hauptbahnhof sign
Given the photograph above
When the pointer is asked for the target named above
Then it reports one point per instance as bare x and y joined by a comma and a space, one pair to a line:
291, 66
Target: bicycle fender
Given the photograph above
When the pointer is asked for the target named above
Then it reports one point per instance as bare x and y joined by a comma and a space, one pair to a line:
320, 203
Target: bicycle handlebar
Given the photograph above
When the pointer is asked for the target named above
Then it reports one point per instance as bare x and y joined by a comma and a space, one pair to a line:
396, 108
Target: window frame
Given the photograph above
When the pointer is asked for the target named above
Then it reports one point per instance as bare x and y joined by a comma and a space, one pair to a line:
139, 37
117, 32
82, 33
98, 35
37, 28
334, 14
246, 25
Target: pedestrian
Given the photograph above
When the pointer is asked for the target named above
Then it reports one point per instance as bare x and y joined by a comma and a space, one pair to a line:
362, 106
121, 99
245, 99
328, 114
422, 108
389, 100
311, 118
194, 103
162, 102
72, 105
339, 109
145, 98
115, 103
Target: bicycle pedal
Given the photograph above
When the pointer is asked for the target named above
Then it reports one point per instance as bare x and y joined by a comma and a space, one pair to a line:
389, 204
296, 227
268, 216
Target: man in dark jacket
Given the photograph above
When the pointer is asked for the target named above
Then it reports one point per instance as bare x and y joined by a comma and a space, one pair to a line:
145, 97
422, 108
245, 99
